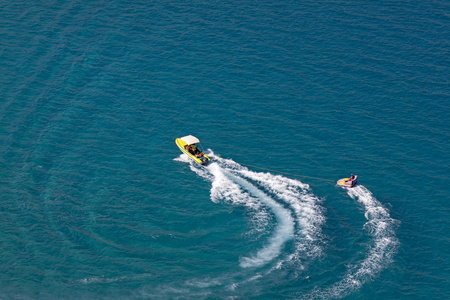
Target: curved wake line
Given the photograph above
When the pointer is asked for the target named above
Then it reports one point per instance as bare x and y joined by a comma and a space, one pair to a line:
309, 214
235, 184
381, 227
284, 230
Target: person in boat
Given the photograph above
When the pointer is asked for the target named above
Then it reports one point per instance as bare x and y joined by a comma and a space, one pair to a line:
353, 177
194, 150
197, 152
189, 149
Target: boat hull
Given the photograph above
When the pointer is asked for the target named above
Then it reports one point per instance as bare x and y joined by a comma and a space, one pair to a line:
201, 160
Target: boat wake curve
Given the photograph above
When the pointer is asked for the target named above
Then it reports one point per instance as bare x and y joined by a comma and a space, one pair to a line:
381, 227
299, 216
298, 212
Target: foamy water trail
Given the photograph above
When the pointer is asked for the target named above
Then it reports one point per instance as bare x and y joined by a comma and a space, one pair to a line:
305, 205
283, 232
236, 190
381, 227
300, 216
298, 212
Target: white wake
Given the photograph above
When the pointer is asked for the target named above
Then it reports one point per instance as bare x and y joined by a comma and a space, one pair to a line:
381, 227
299, 218
298, 212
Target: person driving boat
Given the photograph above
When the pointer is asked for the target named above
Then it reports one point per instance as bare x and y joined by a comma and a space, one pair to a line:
194, 150
197, 152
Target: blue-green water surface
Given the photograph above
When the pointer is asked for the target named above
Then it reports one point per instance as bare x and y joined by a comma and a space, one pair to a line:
97, 202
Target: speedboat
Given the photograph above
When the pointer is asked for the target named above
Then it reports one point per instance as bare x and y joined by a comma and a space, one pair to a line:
187, 145
348, 182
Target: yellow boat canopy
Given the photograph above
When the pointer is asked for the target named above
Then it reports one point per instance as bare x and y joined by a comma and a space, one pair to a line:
190, 139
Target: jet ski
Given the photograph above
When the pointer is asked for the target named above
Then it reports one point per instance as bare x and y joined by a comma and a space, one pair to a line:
348, 182
188, 145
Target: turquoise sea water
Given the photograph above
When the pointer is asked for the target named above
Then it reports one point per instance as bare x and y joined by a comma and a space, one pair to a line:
287, 97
